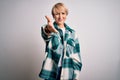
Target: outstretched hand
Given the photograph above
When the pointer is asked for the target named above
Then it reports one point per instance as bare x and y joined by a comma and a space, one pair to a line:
50, 25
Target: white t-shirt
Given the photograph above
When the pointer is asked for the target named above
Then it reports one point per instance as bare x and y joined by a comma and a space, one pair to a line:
60, 61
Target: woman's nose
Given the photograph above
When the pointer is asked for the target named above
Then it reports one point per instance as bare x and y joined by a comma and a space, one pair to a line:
60, 16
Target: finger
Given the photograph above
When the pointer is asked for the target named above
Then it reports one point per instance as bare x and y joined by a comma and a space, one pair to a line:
46, 30
48, 18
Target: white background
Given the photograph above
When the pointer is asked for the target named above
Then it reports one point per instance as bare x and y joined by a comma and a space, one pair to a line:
97, 23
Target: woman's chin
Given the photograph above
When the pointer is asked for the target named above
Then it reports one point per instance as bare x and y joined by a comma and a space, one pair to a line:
60, 23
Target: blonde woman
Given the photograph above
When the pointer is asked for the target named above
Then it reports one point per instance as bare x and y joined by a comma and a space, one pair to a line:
62, 53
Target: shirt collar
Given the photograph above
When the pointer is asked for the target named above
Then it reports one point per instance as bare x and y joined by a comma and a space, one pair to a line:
66, 27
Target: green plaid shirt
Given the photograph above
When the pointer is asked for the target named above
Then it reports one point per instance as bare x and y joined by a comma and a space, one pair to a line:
57, 45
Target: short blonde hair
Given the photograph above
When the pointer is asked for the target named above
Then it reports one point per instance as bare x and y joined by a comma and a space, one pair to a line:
58, 6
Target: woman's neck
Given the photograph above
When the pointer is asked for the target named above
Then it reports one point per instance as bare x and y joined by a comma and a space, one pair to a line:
61, 25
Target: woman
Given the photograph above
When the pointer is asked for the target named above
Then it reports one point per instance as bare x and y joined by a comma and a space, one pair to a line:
62, 60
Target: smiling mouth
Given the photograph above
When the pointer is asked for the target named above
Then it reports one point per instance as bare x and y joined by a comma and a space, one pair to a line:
60, 20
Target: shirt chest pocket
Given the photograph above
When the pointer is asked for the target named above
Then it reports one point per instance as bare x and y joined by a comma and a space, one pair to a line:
70, 47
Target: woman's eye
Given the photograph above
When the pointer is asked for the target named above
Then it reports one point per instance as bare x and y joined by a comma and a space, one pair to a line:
63, 13
57, 14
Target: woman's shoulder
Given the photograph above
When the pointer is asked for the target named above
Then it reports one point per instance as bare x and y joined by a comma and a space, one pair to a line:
69, 28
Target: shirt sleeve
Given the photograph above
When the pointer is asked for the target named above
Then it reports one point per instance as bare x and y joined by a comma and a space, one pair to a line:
45, 36
77, 63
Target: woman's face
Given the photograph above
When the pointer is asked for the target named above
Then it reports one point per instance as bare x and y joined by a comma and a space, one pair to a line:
60, 16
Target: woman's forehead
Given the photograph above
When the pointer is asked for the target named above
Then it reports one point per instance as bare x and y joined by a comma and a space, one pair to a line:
60, 9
